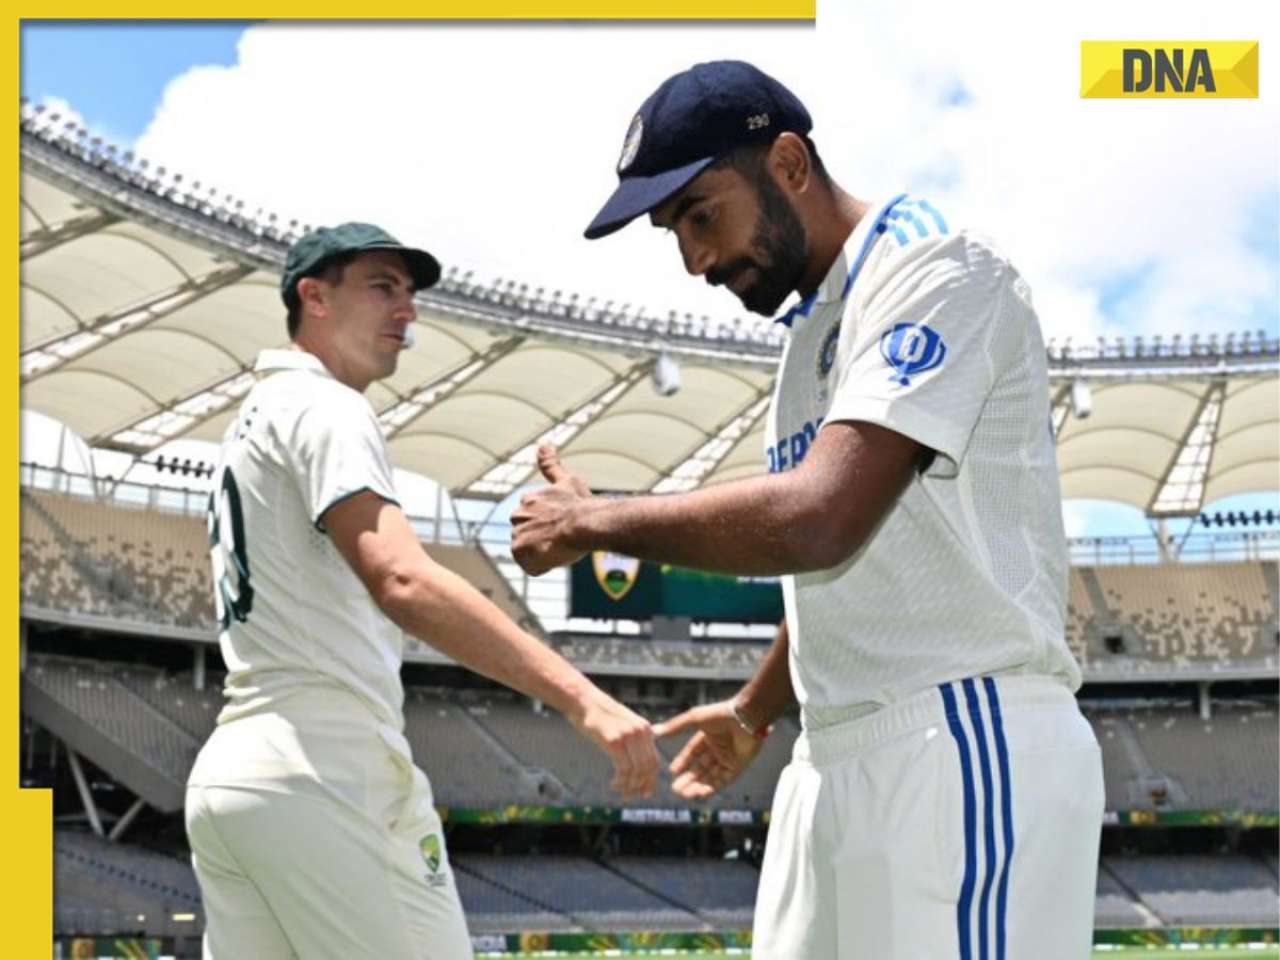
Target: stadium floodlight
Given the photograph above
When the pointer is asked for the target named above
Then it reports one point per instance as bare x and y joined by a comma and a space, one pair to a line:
1081, 400
666, 375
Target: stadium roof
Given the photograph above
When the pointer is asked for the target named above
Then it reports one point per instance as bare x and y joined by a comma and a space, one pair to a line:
145, 300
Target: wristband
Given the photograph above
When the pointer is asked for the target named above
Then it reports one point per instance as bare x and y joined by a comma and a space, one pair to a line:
759, 733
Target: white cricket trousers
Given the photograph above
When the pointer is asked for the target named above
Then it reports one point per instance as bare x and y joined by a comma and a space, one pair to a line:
959, 824
314, 837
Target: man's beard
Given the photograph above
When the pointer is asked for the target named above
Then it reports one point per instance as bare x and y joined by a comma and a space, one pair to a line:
780, 242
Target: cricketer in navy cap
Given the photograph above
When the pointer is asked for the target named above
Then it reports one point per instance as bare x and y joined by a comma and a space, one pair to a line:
725, 142
946, 794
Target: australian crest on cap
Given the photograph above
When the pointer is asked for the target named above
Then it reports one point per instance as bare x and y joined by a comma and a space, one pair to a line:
631, 145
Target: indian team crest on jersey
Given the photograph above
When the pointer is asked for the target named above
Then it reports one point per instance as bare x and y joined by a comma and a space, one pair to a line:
615, 573
430, 848
827, 352
911, 349
631, 145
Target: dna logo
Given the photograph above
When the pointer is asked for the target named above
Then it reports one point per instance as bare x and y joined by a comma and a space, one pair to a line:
911, 349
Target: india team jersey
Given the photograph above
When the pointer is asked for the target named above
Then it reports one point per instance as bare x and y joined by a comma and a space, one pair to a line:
929, 333
294, 617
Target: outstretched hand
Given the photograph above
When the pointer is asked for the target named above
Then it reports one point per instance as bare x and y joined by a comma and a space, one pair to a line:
715, 755
627, 738
542, 524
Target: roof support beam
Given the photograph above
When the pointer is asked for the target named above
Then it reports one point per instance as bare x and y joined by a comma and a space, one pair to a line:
690, 471
422, 398
48, 238
196, 407
1180, 490
1059, 407
107, 328
515, 465
189, 411
86, 795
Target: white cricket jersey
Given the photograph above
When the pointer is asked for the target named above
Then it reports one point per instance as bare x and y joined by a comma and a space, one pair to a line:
931, 334
294, 617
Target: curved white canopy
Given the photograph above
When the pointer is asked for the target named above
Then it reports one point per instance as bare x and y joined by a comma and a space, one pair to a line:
144, 305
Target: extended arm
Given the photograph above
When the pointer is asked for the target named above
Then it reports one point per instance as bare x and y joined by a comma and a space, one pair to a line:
768, 693
810, 518
721, 748
436, 605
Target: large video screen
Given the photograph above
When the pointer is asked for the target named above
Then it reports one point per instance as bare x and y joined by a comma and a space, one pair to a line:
613, 587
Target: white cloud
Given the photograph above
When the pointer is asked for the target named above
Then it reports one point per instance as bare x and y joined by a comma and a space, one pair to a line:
495, 144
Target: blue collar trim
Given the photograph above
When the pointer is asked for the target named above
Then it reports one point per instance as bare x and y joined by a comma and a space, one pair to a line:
877, 228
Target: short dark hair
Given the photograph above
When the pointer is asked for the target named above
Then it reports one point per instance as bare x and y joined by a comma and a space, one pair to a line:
749, 160
330, 270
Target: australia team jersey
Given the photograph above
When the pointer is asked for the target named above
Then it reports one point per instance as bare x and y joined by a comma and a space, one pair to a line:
929, 333
294, 617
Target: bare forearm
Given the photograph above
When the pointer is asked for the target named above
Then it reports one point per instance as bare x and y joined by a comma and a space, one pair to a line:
769, 692
809, 518
749, 527
452, 616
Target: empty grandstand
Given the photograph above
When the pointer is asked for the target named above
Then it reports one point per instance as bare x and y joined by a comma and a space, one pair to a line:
150, 566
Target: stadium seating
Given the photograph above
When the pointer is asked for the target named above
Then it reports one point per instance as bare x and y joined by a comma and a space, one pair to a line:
1192, 612
721, 891
1122, 761
89, 707
464, 764
175, 696
588, 651
474, 565
493, 907
111, 560
109, 887
108, 560
593, 895
494, 749
104, 887
1113, 907
1228, 762
544, 741
1190, 889
101, 559
1080, 616
47, 576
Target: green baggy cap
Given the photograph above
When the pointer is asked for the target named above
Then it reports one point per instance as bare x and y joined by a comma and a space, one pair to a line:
320, 245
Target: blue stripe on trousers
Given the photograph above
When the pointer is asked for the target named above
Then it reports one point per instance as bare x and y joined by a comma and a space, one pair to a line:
988, 817
1006, 811
964, 907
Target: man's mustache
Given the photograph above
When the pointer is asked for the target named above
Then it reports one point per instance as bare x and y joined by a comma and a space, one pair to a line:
723, 275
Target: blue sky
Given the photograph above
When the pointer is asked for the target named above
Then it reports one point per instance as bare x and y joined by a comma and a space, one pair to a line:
134, 82
113, 73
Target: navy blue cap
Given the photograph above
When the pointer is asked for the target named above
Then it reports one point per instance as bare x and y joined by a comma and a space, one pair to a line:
688, 123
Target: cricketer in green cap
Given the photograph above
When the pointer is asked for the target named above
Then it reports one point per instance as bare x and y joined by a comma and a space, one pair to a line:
308, 255
350, 291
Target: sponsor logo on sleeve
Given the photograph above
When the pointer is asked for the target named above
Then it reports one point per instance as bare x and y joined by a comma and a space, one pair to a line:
911, 349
